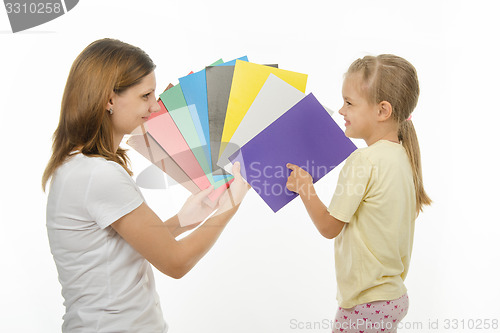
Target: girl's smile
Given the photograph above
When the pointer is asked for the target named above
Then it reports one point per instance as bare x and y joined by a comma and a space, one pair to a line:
358, 113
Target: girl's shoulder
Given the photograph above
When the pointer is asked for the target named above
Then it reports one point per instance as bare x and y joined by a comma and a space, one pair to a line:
380, 150
359, 156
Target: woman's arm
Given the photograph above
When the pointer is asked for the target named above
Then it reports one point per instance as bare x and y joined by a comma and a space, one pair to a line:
175, 228
300, 181
152, 238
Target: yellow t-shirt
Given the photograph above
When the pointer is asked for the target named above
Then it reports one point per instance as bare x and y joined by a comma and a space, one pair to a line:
375, 196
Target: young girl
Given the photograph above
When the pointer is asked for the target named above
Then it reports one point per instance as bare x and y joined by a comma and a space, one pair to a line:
378, 196
101, 232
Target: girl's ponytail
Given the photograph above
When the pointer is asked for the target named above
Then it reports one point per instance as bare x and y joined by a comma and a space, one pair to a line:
408, 138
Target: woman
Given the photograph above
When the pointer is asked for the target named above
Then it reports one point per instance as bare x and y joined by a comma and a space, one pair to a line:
101, 232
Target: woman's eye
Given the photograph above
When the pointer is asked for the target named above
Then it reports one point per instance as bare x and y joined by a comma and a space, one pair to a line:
146, 95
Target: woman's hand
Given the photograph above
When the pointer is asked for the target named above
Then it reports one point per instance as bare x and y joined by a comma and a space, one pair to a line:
236, 192
299, 181
195, 210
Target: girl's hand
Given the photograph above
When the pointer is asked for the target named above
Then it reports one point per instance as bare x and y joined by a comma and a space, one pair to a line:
299, 181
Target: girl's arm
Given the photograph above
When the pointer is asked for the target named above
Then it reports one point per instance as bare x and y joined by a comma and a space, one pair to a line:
300, 181
152, 238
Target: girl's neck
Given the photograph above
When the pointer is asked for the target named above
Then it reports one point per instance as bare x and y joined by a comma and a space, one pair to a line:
389, 136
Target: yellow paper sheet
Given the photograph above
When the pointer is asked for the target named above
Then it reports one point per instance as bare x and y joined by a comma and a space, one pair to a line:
248, 79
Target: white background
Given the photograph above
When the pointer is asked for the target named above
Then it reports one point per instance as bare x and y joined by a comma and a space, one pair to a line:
269, 271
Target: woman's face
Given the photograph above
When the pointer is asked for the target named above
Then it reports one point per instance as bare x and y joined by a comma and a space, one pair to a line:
132, 107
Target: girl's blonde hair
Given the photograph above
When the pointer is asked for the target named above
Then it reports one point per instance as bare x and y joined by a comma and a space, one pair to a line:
104, 66
393, 79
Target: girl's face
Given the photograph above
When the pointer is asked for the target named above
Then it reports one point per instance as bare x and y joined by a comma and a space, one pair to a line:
132, 107
360, 116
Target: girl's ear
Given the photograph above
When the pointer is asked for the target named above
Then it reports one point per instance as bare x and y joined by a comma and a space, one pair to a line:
384, 110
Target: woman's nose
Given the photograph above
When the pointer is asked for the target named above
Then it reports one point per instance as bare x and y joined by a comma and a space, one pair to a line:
155, 107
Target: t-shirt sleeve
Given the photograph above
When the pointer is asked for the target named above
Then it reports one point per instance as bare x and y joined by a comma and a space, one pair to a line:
351, 188
111, 194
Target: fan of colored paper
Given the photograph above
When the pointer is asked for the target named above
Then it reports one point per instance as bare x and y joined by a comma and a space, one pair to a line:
233, 111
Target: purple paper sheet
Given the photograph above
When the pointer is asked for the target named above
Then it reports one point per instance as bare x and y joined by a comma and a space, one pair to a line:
306, 135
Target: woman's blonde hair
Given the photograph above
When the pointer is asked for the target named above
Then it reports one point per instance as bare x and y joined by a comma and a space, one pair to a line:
393, 79
104, 66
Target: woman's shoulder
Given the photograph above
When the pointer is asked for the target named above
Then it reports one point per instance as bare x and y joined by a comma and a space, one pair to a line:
79, 160
82, 166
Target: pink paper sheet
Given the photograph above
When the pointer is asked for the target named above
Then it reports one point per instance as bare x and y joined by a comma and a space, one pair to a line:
163, 129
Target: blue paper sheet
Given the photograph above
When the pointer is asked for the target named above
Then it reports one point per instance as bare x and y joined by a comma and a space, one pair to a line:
194, 88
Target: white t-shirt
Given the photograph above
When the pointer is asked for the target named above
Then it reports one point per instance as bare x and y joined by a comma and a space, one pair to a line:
107, 285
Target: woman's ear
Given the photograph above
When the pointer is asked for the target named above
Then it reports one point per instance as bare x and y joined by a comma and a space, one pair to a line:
384, 110
111, 101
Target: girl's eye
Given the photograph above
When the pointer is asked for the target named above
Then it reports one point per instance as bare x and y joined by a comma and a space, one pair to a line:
146, 95
348, 103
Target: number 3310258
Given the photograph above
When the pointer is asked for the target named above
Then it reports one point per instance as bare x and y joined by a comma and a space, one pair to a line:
472, 324
33, 8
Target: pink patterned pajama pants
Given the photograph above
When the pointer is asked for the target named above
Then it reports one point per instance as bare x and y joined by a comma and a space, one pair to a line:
374, 317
